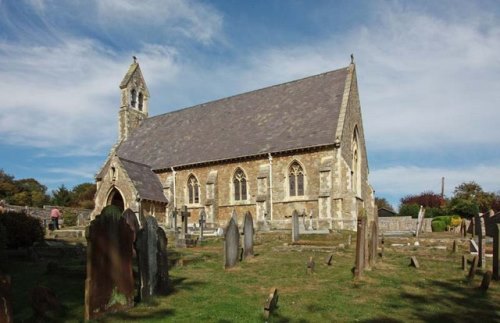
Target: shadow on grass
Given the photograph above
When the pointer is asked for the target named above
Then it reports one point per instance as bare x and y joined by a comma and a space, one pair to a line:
469, 303
141, 317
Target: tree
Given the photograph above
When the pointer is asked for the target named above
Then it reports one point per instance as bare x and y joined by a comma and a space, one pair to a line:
427, 199
381, 202
83, 195
463, 207
61, 196
473, 192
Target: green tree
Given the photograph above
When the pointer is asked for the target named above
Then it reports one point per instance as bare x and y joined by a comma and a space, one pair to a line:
471, 191
83, 195
381, 202
409, 210
61, 196
463, 207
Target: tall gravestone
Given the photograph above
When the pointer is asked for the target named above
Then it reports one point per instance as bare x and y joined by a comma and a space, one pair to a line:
374, 243
201, 221
162, 262
420, 220
181, 238
496, 252
295, 226
360, 247
481, 263
231, 244
248, 232
109, 285
132, 221
146, 246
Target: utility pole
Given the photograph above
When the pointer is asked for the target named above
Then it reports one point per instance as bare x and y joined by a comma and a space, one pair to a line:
442, 187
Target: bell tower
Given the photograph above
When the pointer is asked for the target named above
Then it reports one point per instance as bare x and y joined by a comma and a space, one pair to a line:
134, 101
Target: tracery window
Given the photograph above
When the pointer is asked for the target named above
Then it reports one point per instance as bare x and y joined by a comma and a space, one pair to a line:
296, 179
240, 185
193, 190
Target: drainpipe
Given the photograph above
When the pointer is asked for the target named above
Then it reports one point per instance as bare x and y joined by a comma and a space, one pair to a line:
271, 183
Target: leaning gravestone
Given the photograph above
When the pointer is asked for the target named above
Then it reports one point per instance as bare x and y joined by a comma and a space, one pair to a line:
414, 262
464, 262
329, 260
420, 220
132, 221
360, 247
271, 302
248, 232
6, 314
146, 247
231, 244
485, 283
496, 252
455, 246
374, 244
295, 226
472, 270
109, 286
162, 262
310, 266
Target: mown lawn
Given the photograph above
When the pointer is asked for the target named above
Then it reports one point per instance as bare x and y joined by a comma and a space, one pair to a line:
202, 291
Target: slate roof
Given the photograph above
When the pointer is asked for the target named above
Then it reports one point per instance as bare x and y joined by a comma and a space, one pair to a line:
145, 181
295, 115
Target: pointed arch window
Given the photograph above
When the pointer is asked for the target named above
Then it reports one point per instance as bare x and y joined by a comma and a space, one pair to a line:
141, 101
240, 185
193, 190
296, 179
133, 98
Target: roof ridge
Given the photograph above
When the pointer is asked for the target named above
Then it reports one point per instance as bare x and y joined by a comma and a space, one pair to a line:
200, 105
134, 162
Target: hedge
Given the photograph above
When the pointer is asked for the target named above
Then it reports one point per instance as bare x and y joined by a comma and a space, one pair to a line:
438, 226
21, 229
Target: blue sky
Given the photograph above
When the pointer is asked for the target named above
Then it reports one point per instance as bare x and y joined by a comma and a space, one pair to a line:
428, 72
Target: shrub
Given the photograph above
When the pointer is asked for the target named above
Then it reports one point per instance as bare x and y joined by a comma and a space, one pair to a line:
432, 212
438, 226
70, 218
409, 210
22, 230
456, 220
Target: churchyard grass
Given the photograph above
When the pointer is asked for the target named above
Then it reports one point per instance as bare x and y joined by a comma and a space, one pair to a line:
391, 291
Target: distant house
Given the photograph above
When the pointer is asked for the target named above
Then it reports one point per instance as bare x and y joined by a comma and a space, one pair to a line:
386, 212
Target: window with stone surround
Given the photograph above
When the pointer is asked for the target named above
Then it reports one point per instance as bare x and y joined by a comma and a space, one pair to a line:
240, 185
296, 179
133, 98
193, 190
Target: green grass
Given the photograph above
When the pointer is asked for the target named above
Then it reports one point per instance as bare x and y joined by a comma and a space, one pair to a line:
202, 291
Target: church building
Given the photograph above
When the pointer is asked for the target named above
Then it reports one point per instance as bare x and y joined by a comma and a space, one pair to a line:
293, 146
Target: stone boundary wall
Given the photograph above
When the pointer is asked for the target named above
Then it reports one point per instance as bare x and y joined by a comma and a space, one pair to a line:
402, 223
83, 215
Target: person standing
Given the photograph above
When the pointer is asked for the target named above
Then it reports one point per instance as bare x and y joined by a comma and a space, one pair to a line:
55, 214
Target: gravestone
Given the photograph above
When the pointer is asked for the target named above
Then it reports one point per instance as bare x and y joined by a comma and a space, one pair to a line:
481, 243
310, 266
485, 283
455, 246
181, 238
271, 302
473, 248
109, 285
295, 226
248, 232
162, 262
374, 243
132, 221
414, 262
464, 262
6, 313
234, 215
231, 244
45, 304
329, 260
201, 221
473, 268
463, 229
174, 216
496, 252
382, 243
420, 220
360, 247
146, 247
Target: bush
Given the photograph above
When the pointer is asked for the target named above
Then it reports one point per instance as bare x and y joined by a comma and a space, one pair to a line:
409, 210
22, 230
446, 219
438, 226
456, 221
433, 212
70, 218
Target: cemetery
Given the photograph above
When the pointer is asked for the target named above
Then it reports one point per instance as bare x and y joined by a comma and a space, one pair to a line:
126, 268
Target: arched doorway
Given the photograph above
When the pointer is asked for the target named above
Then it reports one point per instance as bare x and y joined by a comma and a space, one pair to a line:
115, 198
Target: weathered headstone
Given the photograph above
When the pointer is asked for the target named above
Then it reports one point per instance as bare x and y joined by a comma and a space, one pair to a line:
132, 221
464, 262
455, 246
174, 216
162, 261
481, 243
146, 247
271, 302
248, 232
181, 239
496, 252
310, 266
329, 260
374, 243
382, 243
473, 268
109, 285
295, 226
420, 220
231, 244
414, 262
485, 283
6, 313
201, 221
463, 229
473, 247
360, 247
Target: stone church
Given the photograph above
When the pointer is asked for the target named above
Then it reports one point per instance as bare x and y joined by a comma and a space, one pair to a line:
293, 146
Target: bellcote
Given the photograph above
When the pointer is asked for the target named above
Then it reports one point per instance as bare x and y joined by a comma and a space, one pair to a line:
134, 92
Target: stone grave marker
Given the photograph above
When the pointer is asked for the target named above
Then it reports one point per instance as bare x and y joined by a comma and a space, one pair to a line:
132, 221
295, 226
474, 249
248, 233
420, 220
374, 243
181, 240
463, 229
329, 260
414, 262
109, 285
496, 252
481, 243
175, 212
485, 283
455, 246
202, 221
310, 266
360, 247
6, 313
162, 262
234, 215
146, 247
464, 262
45, 304
231, 244
271, 302
472, 270
382, 243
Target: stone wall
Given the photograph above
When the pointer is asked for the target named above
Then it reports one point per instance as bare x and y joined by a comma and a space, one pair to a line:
402, 223
83, 215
